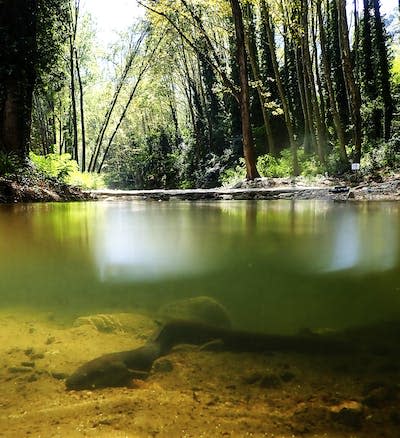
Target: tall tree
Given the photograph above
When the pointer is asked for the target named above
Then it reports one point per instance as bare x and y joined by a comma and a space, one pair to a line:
74, 14
329, 85
18, 56
211, 55
353, 90
383, 69
244, 94
285, 105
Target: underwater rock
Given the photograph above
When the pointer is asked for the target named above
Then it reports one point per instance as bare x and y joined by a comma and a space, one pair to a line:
118, 323
201, 309
348, 413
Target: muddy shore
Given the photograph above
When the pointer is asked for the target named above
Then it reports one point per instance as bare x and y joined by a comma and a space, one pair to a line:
31, 189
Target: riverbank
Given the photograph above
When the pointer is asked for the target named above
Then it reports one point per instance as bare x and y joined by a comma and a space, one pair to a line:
323, 188
37, 189
32, 188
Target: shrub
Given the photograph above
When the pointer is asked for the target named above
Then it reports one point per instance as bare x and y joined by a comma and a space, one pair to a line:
380, 155
54, 165
233, 175
275, 167
85, 180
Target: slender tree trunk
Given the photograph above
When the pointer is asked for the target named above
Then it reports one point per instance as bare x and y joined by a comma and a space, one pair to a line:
82, 113
145, 66
189, 93
285, 105
72, 38
353, 90
260, 91
244, 95
100, 137
314, 104
174, 114
320, 88
329, 86
384, 70
73, 101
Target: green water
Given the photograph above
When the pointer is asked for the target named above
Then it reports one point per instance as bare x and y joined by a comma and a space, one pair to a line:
275, 265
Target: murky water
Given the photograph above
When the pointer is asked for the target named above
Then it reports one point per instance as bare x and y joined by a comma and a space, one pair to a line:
275, 265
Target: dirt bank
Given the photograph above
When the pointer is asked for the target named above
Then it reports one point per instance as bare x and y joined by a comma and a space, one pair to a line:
34, 189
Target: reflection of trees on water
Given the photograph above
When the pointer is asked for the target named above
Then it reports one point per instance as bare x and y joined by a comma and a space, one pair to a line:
323, 236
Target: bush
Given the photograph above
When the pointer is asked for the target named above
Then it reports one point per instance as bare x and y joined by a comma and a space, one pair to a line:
274, 167
380, 155
54, 165
233, 175
153, 164
85, 180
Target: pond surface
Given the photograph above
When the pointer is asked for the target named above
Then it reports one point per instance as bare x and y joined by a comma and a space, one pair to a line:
275, 265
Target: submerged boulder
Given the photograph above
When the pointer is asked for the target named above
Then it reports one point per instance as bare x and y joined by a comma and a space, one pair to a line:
119, 322
202, 309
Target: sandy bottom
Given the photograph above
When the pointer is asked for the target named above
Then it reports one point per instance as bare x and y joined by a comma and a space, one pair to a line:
190, 393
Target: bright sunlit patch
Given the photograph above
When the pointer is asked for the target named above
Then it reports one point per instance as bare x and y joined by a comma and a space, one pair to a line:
135, 244
112, 16
364, 243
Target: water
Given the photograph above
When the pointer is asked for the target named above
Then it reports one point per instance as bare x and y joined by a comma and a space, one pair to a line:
276, 265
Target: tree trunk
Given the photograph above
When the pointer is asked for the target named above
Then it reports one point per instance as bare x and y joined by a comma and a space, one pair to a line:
145, 66
82, 111
17, 73
331, 93
260, 91
353, 90
310, 85
384, 70
244, 94
100, 137
73, 98
285, 105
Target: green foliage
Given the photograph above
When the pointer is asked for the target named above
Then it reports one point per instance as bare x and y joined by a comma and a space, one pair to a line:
87, 181
54, 165
282, 166
9, 163
64, 169
151, 165
381, 155
234, 175
274, 167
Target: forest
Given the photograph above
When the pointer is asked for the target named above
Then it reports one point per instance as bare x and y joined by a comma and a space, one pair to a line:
200, 92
